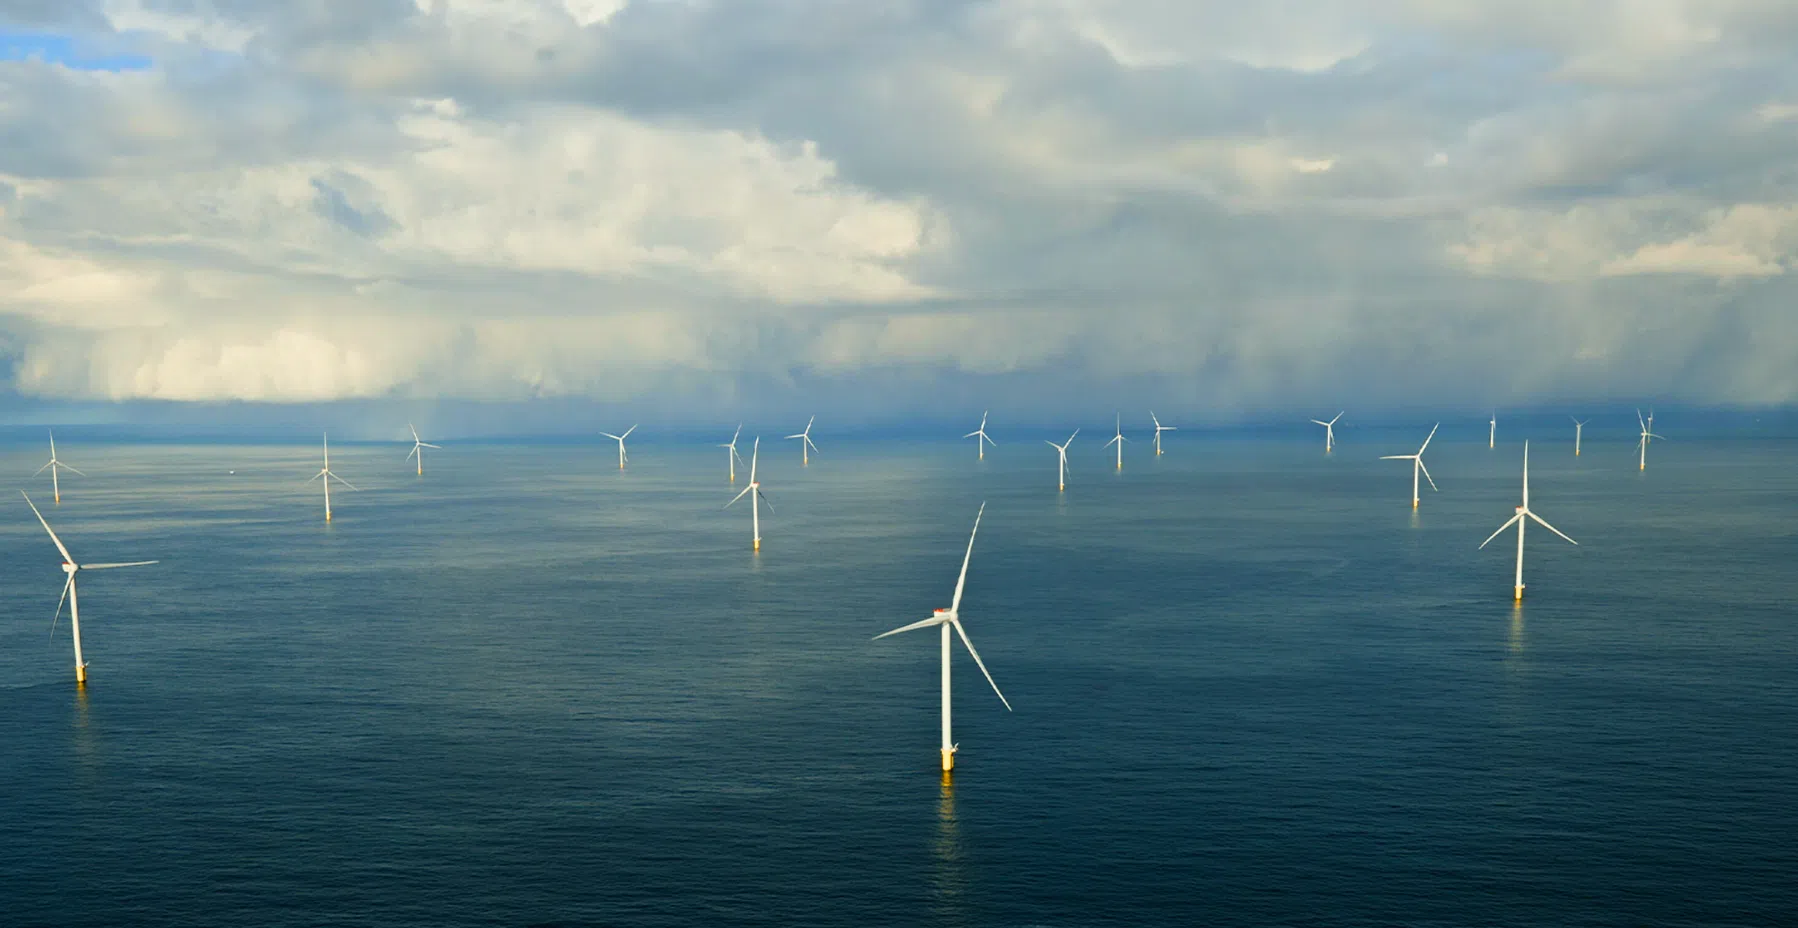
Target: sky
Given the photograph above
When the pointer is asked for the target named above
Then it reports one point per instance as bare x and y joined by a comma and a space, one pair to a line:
510, 214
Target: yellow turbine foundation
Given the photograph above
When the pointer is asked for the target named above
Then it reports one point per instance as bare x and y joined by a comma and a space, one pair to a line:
1519, 594
758, 544
948, 759
80, 675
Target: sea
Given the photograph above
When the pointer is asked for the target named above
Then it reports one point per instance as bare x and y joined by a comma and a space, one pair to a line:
1249, 685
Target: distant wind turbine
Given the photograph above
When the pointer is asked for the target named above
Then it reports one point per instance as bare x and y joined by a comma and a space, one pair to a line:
1329, 432
733, 455
68, 590
622, 457
756, 497
327, 476
1062, 449
418, 446
1416, 464
1579, 427
980, 438
1119, 440
1492, 436
951, 618
1642, 445
54, 465
806, 446
1159, 428
1523, 511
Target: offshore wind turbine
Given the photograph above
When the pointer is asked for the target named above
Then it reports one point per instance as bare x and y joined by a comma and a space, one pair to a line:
68, 590
1159, 428
327, 476
1492, 436
947, 618
1416, 464
54, 465
980, 438
1523, 511
1579, 427
622, 457
1119, 440
755, 494
1642, 445
732, 453
1062, 449
806, 446
418, 449
1329, 432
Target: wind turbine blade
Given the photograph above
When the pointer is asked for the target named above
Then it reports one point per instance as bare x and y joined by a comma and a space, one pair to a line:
1426, 441
733, 500
971, 434
316, 476
612, 437
45, 467
1114, 441
413, 431
808, 440
800, 435
1054, 445
59, 600
40, 518
1398, 457
627, 432
1338, 416
1501, 528
962, 580
989, 440
67, 467
1320, 422
1650, 435
978, 662
765, 499
429, 445
933, 620
1426, 474
1544, 523
1071, 437
344, 482
1639, 421
125, 564
414, 451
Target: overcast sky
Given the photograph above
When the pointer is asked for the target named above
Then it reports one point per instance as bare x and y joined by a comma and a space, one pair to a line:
894, 210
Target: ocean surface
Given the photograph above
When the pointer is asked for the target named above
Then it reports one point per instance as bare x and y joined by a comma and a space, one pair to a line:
1251, 687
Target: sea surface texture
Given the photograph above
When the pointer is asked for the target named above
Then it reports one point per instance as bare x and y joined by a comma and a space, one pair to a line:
1251, 687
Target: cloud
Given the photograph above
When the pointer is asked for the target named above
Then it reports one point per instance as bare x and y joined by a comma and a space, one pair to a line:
1068, 203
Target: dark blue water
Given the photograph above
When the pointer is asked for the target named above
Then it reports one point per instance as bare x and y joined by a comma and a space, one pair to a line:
1251, 688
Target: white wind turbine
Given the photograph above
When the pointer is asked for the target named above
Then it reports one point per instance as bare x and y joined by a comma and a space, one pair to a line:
947, 618
622, 457
1647, 433
1416, 464
1329, 432
806, 446
418, 449
980, 438
1119, 440
1519, 518
1579, 427
755, 494
732, 453
327, 476
54, 465
1159, 428
1492, 436
68, 590
1062, 468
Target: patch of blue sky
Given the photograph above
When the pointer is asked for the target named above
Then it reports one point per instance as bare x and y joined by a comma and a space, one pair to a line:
68, 51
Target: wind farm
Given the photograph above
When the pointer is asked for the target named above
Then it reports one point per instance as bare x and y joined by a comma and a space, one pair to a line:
756, 497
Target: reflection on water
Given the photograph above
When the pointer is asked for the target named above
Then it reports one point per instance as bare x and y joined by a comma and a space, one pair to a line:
950, 878
82, 740
1515, 639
